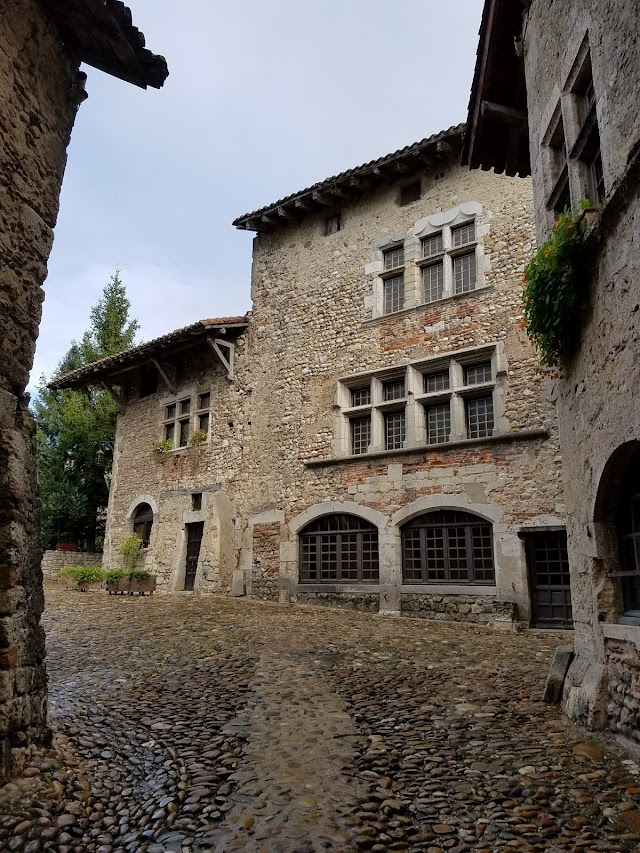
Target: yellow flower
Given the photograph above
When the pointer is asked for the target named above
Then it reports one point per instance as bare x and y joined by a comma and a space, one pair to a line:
547, 252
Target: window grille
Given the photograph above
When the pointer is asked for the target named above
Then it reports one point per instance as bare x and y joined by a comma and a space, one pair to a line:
361, 396
432, 245
479, 417
432, 282
464, 272
394, 430
474, 374
438, 423
339, 548
446, 546
394, 258
463, 234
436, 381
393, 390
394, 294
360, 435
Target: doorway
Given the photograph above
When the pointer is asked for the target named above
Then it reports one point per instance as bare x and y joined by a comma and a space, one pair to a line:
548, 567
194, 540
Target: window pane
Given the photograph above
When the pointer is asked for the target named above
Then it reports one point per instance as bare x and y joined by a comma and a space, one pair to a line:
436, 381
464, 272
348, 557
394, 294
412, 556
394, 258
169, 432
360, 435
185, 407
204, 401
184, 433
361, 396
170, 411
203, 422
477, 373
479, 417
393, 390
432, 282
339, 548
457, 552
438, 423
432, 245
394, 430
464, 234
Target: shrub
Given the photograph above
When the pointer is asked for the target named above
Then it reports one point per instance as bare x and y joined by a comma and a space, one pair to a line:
115, 575
138, 575
130, 551
197, 437
164, 447
553, 292
83, 574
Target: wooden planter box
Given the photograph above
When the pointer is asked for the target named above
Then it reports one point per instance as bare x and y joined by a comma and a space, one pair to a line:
82, 586
142, 586
119, 587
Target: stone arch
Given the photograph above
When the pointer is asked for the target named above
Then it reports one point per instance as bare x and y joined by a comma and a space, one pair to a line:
603, 531
299, 521
141, 499
428, 503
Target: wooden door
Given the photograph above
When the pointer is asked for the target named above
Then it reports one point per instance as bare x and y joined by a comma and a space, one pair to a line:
194, 540
548, 566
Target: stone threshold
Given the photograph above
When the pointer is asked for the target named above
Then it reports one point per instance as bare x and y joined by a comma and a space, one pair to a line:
631, 633
517, 435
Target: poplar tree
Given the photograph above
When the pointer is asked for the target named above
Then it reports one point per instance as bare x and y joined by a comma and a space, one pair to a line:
72, 426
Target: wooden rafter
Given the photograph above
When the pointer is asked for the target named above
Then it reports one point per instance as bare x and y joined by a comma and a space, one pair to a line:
227, 360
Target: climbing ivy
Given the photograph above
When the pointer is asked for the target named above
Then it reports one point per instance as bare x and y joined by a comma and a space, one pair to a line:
553, 292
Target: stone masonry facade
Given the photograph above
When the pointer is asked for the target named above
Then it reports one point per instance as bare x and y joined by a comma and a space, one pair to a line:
36, 77
279, 456
575, 57
54, 561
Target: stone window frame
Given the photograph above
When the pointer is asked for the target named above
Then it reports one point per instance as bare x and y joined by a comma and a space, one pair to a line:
416, 401
444, 223
198, 415
573, 130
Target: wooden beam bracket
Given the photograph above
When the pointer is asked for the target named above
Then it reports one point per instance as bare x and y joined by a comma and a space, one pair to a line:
117, 398
163, 373
227, 360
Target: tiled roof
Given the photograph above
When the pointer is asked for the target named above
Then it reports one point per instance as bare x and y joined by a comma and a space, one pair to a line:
347, 186
102, 34
106, 367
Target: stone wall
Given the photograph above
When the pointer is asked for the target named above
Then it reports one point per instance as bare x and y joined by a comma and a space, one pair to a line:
54, 561
623, 707
276, 454
36, 79
598, 392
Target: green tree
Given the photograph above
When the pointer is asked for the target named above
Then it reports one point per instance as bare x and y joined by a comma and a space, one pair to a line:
74, 425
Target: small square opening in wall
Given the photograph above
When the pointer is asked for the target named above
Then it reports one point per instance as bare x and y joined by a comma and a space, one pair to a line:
332, 224
410, 193
196, 501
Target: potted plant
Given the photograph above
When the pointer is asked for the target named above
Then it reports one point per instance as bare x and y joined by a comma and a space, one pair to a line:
82, 578
117, 581
141, 582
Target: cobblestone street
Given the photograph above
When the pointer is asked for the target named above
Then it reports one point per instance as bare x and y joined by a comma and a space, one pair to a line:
217, 725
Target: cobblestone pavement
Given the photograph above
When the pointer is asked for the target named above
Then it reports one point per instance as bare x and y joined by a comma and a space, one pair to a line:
185, 724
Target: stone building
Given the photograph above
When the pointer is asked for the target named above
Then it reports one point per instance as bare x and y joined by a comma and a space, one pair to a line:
41, 46
573, 81
373, 435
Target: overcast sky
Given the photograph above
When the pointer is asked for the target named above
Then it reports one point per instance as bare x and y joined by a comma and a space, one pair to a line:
264, 98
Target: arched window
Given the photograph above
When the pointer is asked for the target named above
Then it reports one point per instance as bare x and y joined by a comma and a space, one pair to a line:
447, 546
142, 523
339, 549
628, 528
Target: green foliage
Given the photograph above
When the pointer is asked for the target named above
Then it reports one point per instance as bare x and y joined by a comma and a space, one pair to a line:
83, 574
198, 437
115, 575
139, 575
164, 447
74, 425
130, 551
553, 293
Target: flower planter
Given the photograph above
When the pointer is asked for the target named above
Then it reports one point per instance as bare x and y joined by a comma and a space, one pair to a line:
82, 586
142, 586
118, 587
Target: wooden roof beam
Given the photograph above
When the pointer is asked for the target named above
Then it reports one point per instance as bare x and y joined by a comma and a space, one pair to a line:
506, 114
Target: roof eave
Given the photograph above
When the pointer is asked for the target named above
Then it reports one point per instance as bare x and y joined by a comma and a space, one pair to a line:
333, 193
